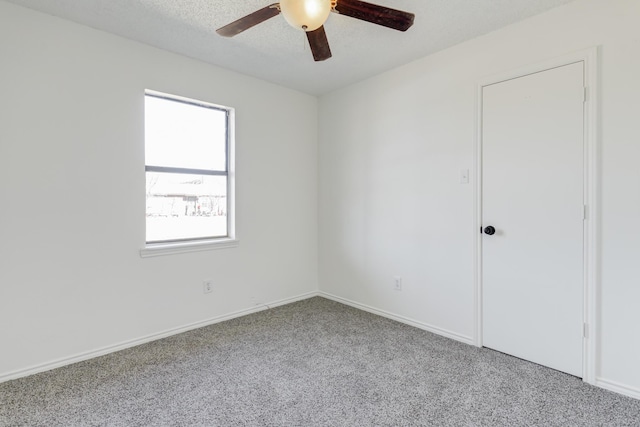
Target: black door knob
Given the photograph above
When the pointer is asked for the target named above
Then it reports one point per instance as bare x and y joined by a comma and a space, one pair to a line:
489, 230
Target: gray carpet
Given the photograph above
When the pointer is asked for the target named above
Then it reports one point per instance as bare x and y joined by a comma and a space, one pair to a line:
311, 363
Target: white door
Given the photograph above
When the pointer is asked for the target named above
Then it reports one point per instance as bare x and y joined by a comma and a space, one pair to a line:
532, 194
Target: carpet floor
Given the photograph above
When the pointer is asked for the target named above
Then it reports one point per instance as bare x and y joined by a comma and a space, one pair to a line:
311, 363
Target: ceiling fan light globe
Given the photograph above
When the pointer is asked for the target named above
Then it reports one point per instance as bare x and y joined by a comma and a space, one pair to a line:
308, 15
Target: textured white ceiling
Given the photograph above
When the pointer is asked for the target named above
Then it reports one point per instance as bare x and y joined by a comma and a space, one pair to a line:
275, 52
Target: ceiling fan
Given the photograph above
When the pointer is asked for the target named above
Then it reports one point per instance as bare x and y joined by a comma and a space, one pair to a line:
310, 16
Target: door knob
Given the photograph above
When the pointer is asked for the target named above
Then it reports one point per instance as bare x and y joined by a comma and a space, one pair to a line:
490, 230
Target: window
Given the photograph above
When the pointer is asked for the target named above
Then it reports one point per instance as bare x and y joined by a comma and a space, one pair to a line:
187, 159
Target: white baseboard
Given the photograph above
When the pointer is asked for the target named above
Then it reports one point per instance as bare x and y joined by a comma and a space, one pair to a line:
618, 388
421, 325
600, 382
148, 338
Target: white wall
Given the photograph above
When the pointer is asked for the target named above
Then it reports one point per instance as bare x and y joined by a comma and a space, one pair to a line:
72, 193
390, 203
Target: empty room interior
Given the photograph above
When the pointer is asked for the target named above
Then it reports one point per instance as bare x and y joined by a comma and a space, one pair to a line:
433, 226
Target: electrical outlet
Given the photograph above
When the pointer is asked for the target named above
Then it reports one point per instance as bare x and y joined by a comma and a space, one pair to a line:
207, 286
464, 176
397, 283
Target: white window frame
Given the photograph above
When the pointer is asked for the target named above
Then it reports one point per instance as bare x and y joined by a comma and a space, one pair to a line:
200, 244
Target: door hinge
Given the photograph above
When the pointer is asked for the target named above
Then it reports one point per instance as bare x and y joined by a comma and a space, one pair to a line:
584, 212
585, 330
585, 94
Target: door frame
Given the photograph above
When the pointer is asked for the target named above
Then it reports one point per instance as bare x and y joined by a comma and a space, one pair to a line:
590, 57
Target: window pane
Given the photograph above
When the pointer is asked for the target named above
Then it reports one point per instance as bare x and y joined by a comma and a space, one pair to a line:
184, 135
181, 206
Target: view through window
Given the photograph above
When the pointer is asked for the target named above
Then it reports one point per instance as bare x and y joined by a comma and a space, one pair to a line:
187, 169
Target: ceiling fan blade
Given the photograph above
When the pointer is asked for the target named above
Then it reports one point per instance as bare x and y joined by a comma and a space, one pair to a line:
385, 16
319, 44
255, 18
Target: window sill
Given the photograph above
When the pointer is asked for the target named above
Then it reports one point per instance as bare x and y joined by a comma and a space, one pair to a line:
160, 249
